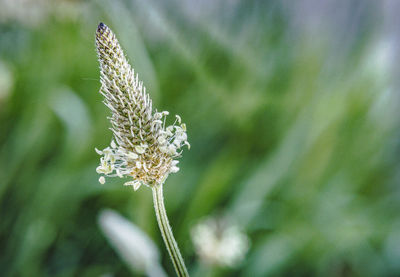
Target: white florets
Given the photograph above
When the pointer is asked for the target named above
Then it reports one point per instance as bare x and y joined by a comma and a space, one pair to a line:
120, 162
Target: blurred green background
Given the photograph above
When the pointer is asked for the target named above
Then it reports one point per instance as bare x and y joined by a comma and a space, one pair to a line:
292, 114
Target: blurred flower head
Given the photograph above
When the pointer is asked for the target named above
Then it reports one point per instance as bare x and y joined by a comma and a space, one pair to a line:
219, 242
143, 148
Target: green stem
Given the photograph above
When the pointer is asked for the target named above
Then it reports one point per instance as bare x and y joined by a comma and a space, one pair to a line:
166, 232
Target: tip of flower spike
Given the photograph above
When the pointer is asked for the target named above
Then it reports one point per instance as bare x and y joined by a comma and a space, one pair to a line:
101, 29
101, 26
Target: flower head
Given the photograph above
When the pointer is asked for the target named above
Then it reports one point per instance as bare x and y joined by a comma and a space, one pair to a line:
219, 242
143, 147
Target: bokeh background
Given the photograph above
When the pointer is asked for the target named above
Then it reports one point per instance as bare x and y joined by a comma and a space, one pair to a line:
292, 114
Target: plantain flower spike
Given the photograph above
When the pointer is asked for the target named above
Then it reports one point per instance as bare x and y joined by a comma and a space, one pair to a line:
143, 148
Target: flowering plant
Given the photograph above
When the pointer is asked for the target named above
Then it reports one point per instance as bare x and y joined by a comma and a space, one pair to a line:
143, 148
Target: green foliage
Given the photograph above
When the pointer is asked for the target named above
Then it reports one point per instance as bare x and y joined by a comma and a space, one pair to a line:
292, 137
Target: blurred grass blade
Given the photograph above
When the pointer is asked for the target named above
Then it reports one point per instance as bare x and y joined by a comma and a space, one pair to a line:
132, 244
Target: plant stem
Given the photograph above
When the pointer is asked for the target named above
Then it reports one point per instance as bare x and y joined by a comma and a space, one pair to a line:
166, 232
